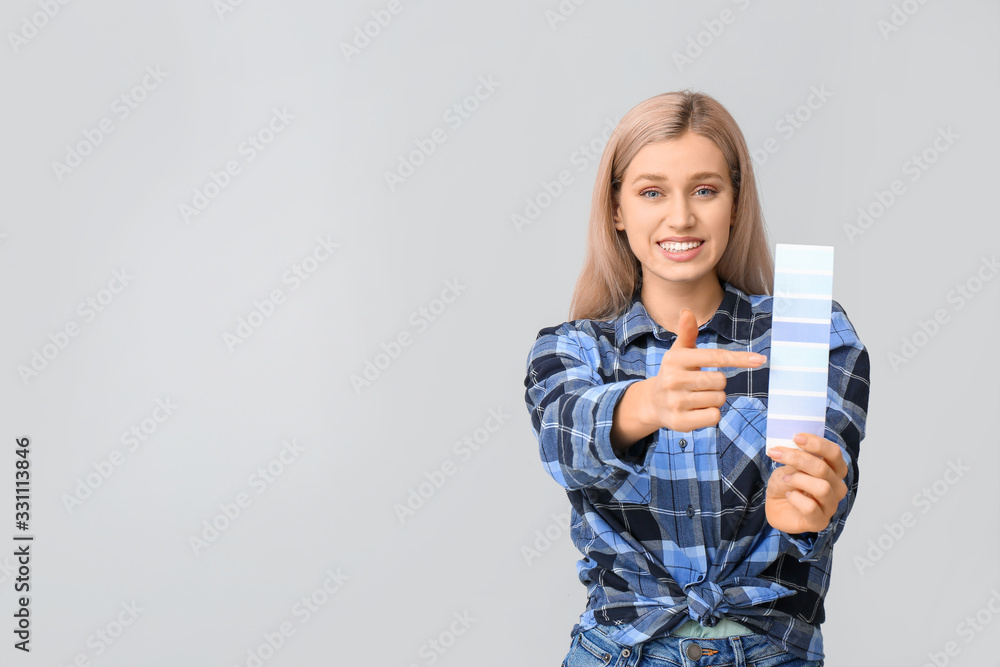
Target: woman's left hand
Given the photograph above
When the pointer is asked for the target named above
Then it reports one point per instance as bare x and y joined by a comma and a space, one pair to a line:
803, 494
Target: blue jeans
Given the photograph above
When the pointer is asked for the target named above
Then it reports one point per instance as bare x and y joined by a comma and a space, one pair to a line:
593, 648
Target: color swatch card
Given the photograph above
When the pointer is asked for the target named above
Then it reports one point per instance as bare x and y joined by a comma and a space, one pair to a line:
800, 342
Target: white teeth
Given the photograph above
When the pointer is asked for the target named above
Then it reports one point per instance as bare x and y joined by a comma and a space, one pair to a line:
680, 247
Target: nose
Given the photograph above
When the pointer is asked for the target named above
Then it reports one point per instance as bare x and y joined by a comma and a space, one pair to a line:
679, 214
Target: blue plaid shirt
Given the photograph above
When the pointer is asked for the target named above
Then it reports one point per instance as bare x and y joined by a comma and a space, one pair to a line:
674, 528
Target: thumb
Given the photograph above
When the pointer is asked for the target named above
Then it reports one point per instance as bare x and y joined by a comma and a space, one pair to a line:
687, 330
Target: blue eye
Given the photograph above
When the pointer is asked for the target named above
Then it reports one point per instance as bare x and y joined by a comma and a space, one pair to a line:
710, 191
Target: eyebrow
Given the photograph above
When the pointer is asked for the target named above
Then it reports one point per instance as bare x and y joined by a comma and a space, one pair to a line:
660, 177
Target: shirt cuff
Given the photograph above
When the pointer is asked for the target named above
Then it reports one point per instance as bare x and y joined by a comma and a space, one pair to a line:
810, 546
637, 457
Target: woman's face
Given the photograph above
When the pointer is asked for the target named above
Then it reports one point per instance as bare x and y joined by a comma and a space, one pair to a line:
678, 188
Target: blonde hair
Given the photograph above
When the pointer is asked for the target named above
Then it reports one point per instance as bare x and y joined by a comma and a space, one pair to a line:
611, 272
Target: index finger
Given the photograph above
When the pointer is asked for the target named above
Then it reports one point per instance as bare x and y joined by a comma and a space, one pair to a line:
698, 358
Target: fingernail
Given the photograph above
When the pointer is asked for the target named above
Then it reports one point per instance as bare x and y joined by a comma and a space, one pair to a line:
799, 439
758, 358
776, 454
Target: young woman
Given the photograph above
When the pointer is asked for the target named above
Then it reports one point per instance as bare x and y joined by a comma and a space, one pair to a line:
650, 407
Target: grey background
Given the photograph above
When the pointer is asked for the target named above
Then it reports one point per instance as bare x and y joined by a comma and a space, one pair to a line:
335, 506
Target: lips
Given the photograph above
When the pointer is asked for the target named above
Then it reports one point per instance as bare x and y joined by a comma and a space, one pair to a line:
682, 255
680, 239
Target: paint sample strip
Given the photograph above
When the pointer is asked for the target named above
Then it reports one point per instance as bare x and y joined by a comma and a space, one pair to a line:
800, 342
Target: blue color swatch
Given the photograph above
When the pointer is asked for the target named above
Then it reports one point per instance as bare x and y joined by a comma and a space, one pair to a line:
800, 342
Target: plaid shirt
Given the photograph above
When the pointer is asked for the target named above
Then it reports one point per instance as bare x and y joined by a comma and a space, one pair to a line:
674, 528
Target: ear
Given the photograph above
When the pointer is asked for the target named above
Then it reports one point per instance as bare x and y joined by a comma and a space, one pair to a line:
619, 225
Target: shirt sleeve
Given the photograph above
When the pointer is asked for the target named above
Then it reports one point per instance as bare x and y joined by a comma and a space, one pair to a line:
846, 415
571, 414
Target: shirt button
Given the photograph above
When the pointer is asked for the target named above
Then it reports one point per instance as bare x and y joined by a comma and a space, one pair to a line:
626, 653
690, 516
683, 443
694, 651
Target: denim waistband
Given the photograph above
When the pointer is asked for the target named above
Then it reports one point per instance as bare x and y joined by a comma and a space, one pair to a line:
683, 651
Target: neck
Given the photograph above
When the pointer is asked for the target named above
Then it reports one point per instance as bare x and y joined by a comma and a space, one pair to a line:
664, 300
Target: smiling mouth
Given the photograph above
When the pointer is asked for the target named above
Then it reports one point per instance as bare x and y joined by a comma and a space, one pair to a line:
680, 247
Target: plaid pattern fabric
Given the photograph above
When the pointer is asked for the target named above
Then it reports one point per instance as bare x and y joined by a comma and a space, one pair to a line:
675, 527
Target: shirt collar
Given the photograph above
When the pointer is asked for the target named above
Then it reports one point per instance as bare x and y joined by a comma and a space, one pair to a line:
732, 320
